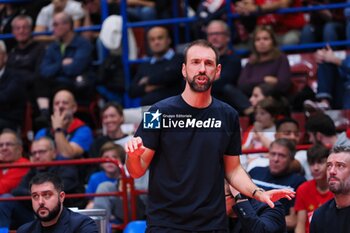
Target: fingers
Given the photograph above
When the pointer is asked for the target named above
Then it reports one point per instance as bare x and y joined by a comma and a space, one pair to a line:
270, 203
134, 145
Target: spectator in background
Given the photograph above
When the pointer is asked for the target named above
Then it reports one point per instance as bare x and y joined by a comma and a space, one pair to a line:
71, 135
278, 174
160, 77
45, 20
47, 195
114, 204
288, 128
262, 132
286, 26
325, 25
219, 35
112, 119
66, 64
141, 10
267, 64
8, 12
12, 94
19, 212
321, 129
93, 15
260, 92
333, 81
249, 215
27, 55
313, 193
11, 152
110, 172
333, 216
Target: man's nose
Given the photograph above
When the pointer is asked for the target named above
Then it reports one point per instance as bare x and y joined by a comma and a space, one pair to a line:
41, 201
202, 67
332, 170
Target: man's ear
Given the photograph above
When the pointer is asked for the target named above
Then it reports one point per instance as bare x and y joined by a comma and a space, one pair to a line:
319, 136
62, 196
183, 70
218, 71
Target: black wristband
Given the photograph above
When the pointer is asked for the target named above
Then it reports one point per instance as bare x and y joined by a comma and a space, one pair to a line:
58, 130
257, 190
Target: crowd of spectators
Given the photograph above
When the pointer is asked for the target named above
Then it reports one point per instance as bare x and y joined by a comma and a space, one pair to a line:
55, 75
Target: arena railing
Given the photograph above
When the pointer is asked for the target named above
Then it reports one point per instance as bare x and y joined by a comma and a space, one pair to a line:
128, 187
127, 184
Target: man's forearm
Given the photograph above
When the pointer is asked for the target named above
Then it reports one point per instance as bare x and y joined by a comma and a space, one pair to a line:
241, 181
63, 146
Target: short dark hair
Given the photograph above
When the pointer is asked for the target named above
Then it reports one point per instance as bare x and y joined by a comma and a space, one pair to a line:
202, 43
117, 107
270, 105
316, 153
285, 120
112, 146
285, 143
14, 133
340, 149
43, 177
321, 122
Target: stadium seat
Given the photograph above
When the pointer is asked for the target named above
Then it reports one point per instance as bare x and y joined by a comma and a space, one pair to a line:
135, 227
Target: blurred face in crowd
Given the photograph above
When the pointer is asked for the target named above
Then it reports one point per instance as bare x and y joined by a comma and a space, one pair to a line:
46, 202
257, 96
22, 31
61, 25
110, 168
200, 70
59, 5
64, 103
42, 151
263, 42
112, 120
217, 35
158, 41
338, 173
92, 6
319, 169
280, 159
10, 148
263, 117
288, 130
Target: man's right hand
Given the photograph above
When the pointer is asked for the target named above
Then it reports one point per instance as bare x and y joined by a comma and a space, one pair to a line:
134, 147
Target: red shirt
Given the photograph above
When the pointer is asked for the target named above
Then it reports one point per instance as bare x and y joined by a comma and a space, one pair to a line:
282, 22
309, 198
10, 178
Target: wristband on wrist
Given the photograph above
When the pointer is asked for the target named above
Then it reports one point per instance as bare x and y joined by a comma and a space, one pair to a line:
59, 130
257, 190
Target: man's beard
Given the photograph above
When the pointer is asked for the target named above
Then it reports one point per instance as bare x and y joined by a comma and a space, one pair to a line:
52, 214
199, 88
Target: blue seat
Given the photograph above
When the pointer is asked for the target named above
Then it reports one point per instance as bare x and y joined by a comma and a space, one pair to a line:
135, 227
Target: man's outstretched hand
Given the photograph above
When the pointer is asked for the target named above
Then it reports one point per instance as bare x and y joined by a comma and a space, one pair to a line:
269, 197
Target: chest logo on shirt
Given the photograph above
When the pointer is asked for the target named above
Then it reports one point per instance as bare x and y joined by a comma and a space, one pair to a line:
157, 120
152, 120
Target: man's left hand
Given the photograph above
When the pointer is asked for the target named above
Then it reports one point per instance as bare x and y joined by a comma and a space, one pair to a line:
269, 197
